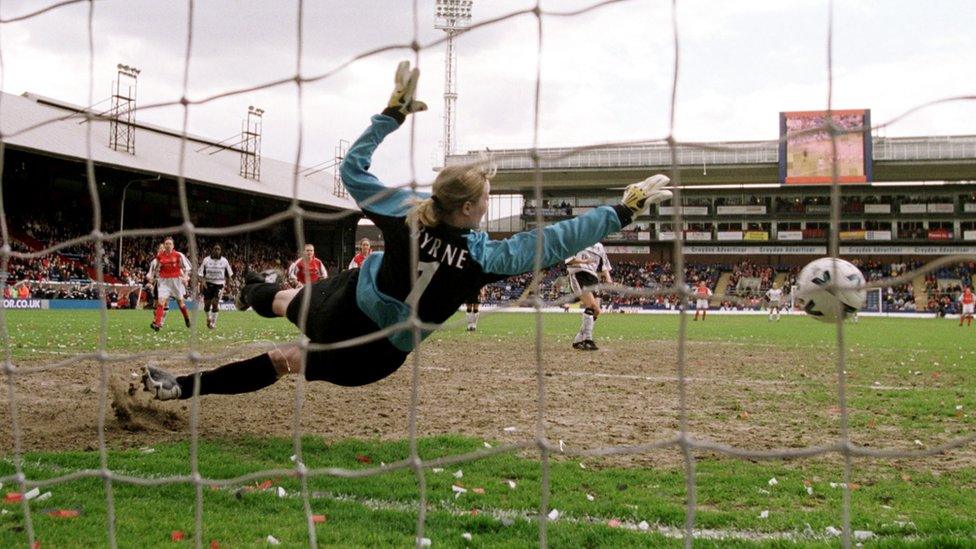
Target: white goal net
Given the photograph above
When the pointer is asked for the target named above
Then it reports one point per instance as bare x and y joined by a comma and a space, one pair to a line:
688, 442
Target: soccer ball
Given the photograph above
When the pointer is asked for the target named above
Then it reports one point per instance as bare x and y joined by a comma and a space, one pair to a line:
828, 289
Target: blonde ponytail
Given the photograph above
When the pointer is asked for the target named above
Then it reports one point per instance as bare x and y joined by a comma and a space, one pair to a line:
454, 186
424, 213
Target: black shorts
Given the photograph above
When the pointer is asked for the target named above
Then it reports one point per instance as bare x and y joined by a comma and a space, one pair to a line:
333, 316
474, 298
582, 281
212, 291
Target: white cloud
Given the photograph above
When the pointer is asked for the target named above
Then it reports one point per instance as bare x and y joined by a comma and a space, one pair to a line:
606, 74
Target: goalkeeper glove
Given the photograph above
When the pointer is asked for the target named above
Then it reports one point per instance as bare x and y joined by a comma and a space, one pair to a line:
638, 196
402, 101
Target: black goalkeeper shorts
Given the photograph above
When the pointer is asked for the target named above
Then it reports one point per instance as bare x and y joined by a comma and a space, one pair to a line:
334, 316
474, 298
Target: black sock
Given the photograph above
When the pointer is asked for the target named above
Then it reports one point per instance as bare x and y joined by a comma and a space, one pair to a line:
260, 297
243, 376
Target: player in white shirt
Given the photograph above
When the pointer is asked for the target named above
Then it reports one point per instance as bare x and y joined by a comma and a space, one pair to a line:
587, 269
215, 271
775, 298
702, 293
151, 282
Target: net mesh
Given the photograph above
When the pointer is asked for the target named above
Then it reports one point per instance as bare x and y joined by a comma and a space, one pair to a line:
685, 440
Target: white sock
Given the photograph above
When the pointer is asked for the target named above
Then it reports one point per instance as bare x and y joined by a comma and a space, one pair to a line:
587, 329
474, 320
214, 317
581, 334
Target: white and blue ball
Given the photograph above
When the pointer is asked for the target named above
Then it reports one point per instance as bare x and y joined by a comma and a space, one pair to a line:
830, 288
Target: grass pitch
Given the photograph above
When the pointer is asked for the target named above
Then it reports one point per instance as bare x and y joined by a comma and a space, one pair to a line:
909, 380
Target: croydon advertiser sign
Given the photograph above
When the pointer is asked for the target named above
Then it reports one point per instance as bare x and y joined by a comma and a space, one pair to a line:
821, 250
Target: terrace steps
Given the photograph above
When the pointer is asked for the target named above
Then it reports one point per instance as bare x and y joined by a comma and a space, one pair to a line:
721, 288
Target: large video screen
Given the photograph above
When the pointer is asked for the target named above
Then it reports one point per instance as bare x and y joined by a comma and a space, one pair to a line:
806, 154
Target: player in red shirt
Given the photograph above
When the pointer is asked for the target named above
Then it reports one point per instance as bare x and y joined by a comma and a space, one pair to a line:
364, 248
968, 301
306, 269
172, 271
702, 293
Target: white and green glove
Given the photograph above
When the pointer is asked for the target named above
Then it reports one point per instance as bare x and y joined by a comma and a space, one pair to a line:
402, 100
638, 196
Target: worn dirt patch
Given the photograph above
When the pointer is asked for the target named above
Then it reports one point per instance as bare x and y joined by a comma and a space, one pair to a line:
135, 411
750, 397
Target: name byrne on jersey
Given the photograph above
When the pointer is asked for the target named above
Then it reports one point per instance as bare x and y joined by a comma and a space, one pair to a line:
444, 252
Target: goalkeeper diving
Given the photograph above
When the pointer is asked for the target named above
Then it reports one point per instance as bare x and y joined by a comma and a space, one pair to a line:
455, 260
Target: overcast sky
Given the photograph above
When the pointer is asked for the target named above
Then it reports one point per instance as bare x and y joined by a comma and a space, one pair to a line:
606, 74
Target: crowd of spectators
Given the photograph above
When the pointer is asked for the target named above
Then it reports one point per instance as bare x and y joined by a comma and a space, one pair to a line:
849, 204
562, 207
906, 199
852, 204
64, 275
638, 275
67, 272
55, 268
751, 200
798, 204
749, 278
59, 277
551, 287
945, 285
900, 298
909, 232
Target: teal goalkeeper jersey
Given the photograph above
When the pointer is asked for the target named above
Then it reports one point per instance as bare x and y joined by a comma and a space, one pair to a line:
453, 263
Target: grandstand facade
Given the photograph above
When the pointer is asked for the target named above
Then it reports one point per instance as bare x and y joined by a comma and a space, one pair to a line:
739, 218
48, 202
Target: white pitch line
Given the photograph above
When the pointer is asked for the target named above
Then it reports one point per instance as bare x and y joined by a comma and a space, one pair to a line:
509, 516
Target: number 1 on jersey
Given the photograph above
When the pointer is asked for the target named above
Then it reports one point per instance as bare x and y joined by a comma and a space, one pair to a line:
426, 274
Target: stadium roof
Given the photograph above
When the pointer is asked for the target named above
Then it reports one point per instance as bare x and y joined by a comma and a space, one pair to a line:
157, 151
895, 159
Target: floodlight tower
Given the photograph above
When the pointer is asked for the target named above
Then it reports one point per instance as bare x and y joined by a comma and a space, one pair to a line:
251, 144
452, 17
122, 130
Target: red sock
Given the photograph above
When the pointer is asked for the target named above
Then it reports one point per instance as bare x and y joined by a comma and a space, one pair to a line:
158, 318
183, 310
